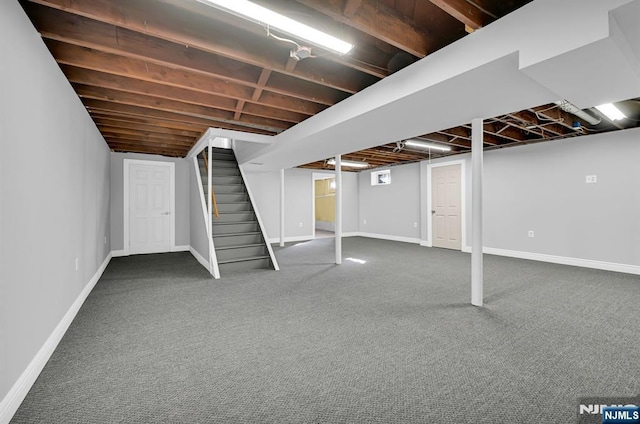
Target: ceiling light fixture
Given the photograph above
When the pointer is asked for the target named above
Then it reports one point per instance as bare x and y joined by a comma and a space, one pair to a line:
611, 111
423, 145
262, 15
349, 163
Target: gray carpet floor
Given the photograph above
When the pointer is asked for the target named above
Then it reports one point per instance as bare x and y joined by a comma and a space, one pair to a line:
393, 340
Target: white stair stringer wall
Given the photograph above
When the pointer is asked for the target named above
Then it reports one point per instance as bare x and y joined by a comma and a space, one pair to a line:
260, 224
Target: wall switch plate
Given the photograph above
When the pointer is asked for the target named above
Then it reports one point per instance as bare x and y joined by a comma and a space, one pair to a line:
364, 222
105, 239
531, 234
591, 179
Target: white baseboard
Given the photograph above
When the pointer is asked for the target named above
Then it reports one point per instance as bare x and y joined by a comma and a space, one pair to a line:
424, 243
392, 238
199, 257
120, 253
274, 240
21, 387
563, 260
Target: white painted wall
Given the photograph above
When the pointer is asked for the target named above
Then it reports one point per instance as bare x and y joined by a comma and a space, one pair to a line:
265, 187
197, 227
54, 203
183, 168
539, 187
391, 210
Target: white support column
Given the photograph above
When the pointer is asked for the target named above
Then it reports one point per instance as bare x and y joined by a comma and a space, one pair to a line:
477, 278
282, 208
338, 167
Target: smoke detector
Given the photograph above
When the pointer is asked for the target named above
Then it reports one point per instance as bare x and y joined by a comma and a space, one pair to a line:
300, 52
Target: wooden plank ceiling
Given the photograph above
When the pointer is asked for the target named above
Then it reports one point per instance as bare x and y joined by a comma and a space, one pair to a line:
155, 74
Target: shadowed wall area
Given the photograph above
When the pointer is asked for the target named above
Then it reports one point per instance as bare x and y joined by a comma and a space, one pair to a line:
393, 340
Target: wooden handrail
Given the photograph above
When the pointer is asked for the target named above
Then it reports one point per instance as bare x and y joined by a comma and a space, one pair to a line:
213, 195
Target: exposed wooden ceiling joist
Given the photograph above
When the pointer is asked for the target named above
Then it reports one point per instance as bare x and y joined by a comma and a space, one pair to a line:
182, 108
130, 22
466, 12
112, 82
160, 72
381, 21
89, 59
144, 112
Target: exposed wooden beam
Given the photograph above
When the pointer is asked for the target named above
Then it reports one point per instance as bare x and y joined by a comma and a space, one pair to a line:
177, 107
95, 60
351, 7
561, 117
124, 124
238, 111
262, 82
130, 85
465, 133
102, 106
80, 31
144, 134
126, 147
527, 119
115, 138
380, 21
123, 119
147, 18
466, 12
291, 64
365, 57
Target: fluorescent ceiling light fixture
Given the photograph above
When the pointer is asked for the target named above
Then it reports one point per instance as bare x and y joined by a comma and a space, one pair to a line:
611, 111
349, 163
262, 15
359, 261
423, 145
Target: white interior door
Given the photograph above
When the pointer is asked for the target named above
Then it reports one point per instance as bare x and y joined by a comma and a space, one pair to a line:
150, 209
446, 207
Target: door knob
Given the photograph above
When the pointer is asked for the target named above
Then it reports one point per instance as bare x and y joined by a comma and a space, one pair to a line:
433, 211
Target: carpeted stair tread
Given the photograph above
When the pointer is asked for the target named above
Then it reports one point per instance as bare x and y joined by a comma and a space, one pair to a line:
250, 233
240, 246
252, 258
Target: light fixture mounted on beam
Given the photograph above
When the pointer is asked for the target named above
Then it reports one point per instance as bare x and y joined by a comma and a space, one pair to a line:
256, 13
425, 145
349, 163
611, 111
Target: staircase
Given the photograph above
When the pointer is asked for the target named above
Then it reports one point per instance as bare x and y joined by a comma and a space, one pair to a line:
236, 232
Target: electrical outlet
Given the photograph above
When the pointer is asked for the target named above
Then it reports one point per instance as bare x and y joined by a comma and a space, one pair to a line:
591, 179
105, 239
77, 263
415, 225
531, 234
300, 225
364, 222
